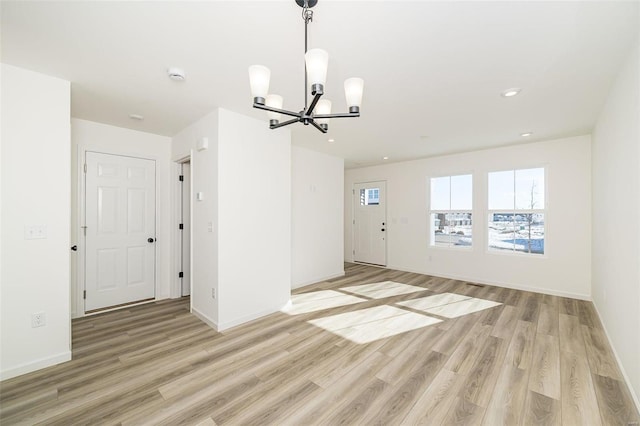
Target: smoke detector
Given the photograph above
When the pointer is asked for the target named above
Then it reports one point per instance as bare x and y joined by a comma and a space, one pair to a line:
176, 74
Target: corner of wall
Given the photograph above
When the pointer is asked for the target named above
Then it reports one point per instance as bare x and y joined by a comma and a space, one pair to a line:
35, 272
615, 271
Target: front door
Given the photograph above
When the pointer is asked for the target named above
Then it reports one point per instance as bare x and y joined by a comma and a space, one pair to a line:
120, 208
370, 223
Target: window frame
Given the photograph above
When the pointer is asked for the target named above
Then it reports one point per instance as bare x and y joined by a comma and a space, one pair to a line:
544, 211
430, 212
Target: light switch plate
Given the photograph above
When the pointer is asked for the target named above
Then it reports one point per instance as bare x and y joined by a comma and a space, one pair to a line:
35, 232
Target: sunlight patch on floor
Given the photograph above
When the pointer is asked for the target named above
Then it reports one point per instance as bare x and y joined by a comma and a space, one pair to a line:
319, 300
433, 301
449, 305
383, 289
368, 325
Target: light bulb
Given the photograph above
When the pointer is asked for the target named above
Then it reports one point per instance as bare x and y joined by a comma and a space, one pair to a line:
259, 77
353, 88
274, 101
323, 107
317, 61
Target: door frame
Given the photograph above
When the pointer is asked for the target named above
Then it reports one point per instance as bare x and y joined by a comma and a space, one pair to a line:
78, 307
175, 290
353, 219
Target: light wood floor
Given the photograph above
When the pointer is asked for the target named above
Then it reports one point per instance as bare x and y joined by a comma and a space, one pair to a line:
533, 359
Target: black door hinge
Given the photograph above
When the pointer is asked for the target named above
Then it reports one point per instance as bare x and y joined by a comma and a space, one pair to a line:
180, 274
181, 226
181, 178
84, 294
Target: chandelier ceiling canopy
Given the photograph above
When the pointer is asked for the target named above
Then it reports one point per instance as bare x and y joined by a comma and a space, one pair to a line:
318, 112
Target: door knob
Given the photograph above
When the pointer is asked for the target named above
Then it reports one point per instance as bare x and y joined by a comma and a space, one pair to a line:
382, 229
74, 248
150, 240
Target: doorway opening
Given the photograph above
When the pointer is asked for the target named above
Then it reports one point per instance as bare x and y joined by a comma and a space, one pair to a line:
185, 228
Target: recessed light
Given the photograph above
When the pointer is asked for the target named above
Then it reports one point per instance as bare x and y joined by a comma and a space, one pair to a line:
176, 74
511, 92
526, 134
136, 117
332, 140
385, 158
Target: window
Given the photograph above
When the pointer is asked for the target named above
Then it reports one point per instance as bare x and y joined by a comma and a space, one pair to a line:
517, 211
370, 197
451, 206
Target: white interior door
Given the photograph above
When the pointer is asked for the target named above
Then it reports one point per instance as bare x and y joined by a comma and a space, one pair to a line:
120, 210
370, 223
186, 229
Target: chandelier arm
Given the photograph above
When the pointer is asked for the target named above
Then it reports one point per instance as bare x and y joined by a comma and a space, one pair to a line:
316, 98
317, 126
284, 123
337, 115
278, 110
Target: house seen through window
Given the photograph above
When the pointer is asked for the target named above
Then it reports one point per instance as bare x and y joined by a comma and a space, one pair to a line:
451, 211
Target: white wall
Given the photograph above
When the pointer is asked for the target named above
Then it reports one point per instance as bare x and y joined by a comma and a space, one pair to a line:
35, 191
245, 176
254, 184
565, 267
317, 211
616, 219
204, 243
91, 136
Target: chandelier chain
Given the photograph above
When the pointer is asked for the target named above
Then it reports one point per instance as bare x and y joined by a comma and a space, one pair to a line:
307, 14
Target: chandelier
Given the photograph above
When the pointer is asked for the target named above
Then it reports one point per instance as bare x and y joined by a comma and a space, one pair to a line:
318, 112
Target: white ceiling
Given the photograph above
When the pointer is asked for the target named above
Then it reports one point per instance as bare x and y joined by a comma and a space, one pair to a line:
433, 71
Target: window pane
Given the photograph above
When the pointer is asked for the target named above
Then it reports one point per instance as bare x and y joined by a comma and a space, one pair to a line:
461, 192
440, 193
501, 231
451, 229
529, 233
530, 189
373, 197
501, 190
370, 197
522, 232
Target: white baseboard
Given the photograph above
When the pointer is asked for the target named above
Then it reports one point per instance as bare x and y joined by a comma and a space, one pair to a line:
229, 324
615, 354
551, 292
39, 364
205, 319
317, 280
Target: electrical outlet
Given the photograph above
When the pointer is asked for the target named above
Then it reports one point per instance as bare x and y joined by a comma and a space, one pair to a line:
38, 319
213, 293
